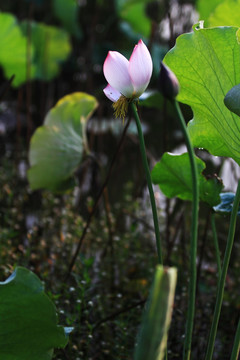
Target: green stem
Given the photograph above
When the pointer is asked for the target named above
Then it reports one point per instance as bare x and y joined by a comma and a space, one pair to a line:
149, 181
236, 345
193, 242
222, 280
215, 240
166, 354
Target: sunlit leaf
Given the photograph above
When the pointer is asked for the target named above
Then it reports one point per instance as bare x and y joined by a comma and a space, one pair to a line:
67, 12
52, 47
28, 326
152, 340
222, 12
57, 147
13, 44
206, 63
173, 175
205, 8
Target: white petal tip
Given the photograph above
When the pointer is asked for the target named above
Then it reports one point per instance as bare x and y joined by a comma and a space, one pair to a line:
111, 93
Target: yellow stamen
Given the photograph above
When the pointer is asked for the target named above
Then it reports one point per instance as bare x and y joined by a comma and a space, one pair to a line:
121, 107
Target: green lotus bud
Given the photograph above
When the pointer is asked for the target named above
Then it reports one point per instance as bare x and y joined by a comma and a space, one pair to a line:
168, 82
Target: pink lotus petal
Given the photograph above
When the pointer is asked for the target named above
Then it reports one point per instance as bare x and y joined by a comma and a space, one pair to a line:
111, 93
115, 70
140, 67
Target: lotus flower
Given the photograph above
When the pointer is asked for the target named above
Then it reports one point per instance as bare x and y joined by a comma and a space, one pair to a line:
127, 80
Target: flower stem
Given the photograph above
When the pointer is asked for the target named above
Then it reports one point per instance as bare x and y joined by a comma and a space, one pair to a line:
193, 242
149, 181
222, 280
236, 345
215, 240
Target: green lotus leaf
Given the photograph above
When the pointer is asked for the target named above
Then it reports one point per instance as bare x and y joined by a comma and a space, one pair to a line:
206, 63
52, 47
173, 175
219, 12
57, 147
28, 326
13, 54
205, 8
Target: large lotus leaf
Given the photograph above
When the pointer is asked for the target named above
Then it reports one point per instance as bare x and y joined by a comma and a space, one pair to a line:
152, 340
57, 147
205, 8
67, 12
28, 325
206, 63
224, 13
52, 47
173, 175
13, 44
